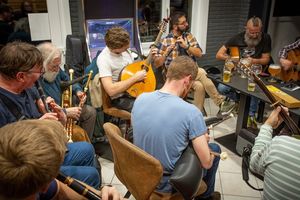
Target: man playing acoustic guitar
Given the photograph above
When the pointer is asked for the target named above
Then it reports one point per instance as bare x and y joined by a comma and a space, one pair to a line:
114, 57
289, 57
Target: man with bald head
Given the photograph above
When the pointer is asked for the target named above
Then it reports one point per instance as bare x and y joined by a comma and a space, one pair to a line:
254, 45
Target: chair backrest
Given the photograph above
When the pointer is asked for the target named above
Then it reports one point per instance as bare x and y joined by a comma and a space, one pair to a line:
137, 170
110, 110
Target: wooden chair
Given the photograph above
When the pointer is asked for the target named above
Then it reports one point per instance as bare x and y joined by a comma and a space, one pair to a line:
115, 112
136, 169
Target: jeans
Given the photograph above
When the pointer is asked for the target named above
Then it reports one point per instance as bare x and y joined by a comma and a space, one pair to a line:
209, 175
231, 94
79, 163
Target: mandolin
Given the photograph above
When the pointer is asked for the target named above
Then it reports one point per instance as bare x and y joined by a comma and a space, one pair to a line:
149, 83
293, 73
289, 122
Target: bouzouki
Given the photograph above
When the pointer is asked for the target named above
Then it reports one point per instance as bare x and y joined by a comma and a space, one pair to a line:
289, 122
293, 73
149, 83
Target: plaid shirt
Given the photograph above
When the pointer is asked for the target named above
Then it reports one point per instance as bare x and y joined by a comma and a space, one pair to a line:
177, 51
283, 52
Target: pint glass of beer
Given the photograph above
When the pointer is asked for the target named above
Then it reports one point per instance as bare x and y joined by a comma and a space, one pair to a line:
274, 70
226, 74
251, 85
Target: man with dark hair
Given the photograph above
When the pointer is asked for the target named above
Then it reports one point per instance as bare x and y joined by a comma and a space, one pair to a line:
20, 67
254, 45
180, 42
287, 64
166, 129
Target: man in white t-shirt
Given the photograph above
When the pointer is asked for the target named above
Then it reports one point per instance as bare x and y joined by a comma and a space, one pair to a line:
114, 57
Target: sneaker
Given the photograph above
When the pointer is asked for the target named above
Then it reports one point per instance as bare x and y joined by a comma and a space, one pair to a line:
251, 122
226, 108
214, 196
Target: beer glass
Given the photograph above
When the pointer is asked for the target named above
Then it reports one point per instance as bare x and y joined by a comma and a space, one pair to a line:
274, 70
226, 74
244, 62
251, 85
228, 67
256, 68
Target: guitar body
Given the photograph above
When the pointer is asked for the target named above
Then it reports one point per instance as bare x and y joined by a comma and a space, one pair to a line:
292, 74
149, 83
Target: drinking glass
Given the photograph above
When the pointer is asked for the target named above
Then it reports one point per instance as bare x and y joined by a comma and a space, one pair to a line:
274, 70
251, 85
244, 62
256, 68
226, 74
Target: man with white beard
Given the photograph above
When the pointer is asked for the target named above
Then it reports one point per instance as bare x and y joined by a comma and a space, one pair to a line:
51, 80
254, 45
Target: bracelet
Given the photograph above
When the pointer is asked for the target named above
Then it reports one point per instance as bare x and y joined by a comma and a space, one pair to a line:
188, 47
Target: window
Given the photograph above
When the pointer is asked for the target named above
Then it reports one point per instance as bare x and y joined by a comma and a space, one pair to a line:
197, 16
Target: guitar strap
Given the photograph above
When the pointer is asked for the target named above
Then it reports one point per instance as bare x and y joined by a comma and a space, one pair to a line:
12, 107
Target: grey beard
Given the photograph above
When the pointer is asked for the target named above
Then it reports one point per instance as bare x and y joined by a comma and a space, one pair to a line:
252, 42
50, 76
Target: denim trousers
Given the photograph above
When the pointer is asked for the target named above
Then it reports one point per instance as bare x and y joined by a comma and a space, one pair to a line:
79, 163
231, 94
209, 175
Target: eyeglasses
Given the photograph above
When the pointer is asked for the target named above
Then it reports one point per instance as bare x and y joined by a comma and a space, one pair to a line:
182, 23
42, 71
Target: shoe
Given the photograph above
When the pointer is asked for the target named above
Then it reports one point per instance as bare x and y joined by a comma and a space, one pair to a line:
226, 107
251, 122
214, 196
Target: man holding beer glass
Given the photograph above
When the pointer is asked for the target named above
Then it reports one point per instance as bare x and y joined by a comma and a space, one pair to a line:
254, 45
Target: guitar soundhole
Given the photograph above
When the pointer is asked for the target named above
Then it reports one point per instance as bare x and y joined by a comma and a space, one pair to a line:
144, 67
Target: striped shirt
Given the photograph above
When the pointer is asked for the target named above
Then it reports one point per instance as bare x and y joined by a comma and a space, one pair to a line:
278, 160
284, 51
169, 40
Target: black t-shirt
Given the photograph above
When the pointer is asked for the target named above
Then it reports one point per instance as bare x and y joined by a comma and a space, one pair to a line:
264, 46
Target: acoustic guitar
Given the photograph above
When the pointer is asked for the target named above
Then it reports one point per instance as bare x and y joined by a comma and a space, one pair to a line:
293, 73
149, 83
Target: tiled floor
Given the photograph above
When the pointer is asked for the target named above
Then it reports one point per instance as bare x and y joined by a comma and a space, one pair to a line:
229, 180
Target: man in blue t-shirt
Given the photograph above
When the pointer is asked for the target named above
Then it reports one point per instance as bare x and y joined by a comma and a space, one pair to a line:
164, 124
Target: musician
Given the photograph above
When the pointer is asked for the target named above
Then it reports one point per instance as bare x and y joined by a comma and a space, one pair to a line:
20, 67
38, 148
114, 57
51, 80
174, 123
181, 42
256, 46
277, 159
283, 54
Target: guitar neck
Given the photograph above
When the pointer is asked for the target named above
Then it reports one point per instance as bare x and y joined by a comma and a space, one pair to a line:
156, 42
286, 118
